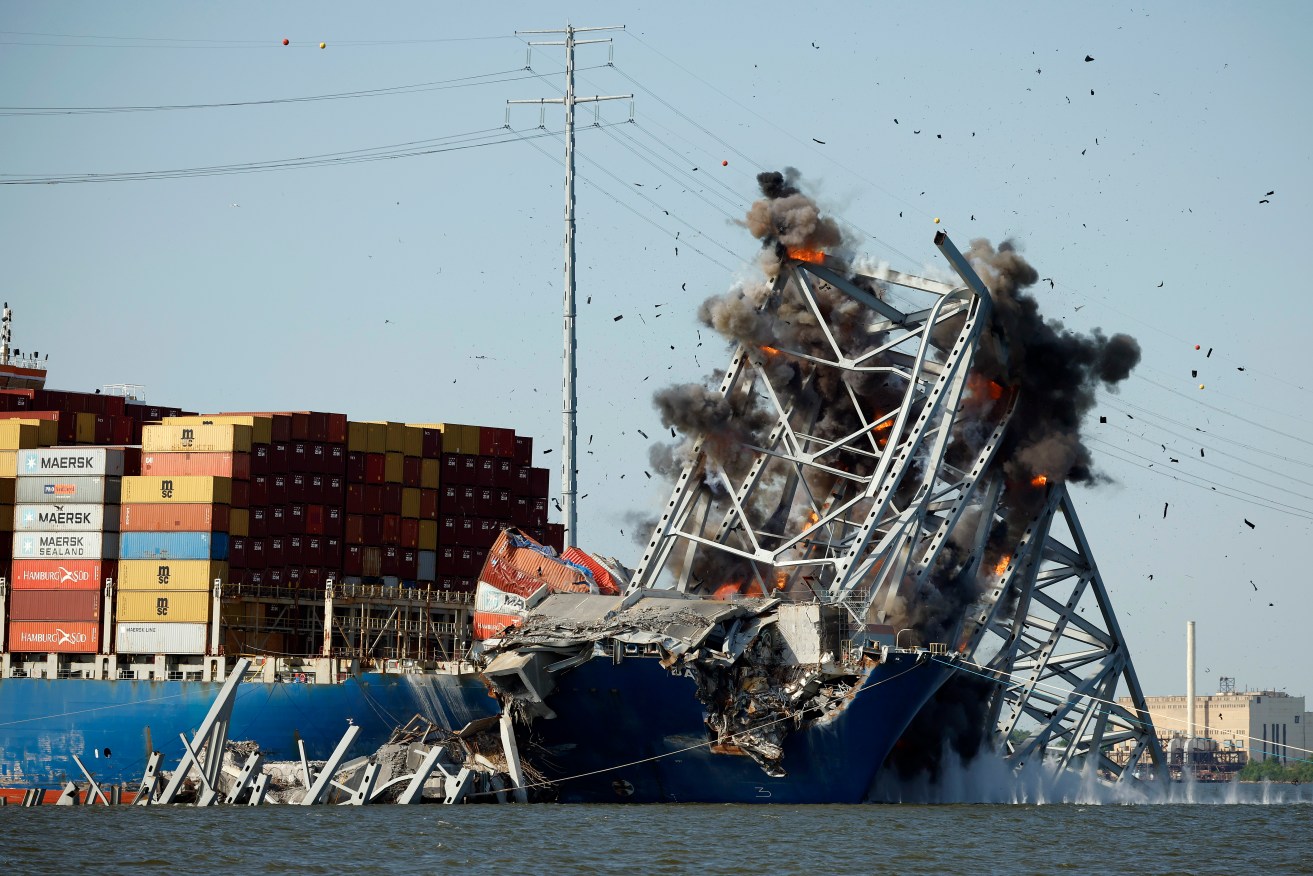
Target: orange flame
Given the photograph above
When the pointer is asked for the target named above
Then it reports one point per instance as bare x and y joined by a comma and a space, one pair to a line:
813, 517
770, 351
812, 256
1039, 480
1003, 564
781, 579
887, 424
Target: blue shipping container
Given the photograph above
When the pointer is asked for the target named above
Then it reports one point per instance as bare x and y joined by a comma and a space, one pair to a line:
174, 546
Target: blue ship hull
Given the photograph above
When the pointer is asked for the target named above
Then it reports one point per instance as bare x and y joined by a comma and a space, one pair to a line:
44, 722
638, 714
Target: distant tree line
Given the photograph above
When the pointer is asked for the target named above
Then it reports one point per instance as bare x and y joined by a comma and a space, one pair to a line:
1272, 771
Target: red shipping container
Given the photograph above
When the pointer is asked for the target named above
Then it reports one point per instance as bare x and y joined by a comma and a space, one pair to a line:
520, 511
256, 577
448, 530
314, 519
428, 504
409, 563
501, 504
409, 533
121, 431
62, 637
538, 510
277, 520
391, 498
522, 481
430, 443
258, 527
449, 499
336, 461
298, 456
257, 553
334, 488
259, 490
314, 492
467, 531
298, 487
278, 491
294, 550
470, 562
312, 577
555, 536
241, 497
318, 452
55, 605
489, 529
453, 470
333, 519
352, 560
150, 517
488, 441
355, 529
313, 551
447, 558
278, 456
484, 501
336, 428
470, 470
104, 429
375, 468
275, 576
538, 481
316, 426
391, 530
259, 459
330, 552
505, 474
276, 553
355, 467
410, 471
523, 450
61, 574
295, 519
237, 552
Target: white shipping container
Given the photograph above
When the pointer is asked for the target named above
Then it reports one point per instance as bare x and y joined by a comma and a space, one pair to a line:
161, 638
66, 518
66, 546
98, 461
79, 490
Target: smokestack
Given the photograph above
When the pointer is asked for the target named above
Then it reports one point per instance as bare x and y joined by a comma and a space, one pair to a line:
1189, 681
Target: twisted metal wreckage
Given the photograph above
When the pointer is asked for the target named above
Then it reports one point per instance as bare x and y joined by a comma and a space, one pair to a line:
842, 490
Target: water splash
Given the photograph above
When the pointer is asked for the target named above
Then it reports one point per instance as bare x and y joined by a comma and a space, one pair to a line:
988, 778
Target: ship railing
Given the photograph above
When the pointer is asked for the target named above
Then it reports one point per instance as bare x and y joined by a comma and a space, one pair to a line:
127, 674
68, 673
17, 673
349, 591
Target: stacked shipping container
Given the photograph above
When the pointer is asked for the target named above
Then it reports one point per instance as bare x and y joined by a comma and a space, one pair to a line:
177, 520
65, 545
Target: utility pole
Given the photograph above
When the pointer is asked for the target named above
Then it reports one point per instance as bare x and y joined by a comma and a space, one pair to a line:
569, 429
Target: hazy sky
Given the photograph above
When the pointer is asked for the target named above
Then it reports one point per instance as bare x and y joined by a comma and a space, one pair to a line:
427, 287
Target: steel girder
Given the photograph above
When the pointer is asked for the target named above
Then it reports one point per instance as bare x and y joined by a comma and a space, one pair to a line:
887, 481
1046, 634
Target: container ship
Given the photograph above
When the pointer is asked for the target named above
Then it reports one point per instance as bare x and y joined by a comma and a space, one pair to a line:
144, 547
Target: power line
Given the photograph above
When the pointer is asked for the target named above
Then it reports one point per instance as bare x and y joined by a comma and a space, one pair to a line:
144, 42
419, 87
376, 153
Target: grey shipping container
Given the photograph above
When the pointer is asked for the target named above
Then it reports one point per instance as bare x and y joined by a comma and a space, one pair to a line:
65, 546
66, 518
160, 638
76, 461
57, 489
428, 565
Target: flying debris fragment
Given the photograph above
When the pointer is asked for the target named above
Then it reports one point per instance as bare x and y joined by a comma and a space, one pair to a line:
1249, 524
1164, 510
1209, 353
1160, 285
641, 432
622, 316
814, 140
1089, 58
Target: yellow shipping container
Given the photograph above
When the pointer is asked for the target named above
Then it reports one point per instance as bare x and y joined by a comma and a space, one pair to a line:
178, 488
428, 535
394, 468
19, 435
414, 441
9, 466
239, 522
378, 438
85, 431
410, 502
357, 437
217, 438
430, 472
471, 439
171, 575
262, 428
178, 606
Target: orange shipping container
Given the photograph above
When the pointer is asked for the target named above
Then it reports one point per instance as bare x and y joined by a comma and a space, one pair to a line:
219, 464
61, 574
62, 637
194, 517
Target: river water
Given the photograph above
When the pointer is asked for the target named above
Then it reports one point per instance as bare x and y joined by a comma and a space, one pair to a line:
1238, 829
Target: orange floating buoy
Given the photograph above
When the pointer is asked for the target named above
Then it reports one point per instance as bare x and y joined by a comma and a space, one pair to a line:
724, 164
323, 45
1196, 346
286, 41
